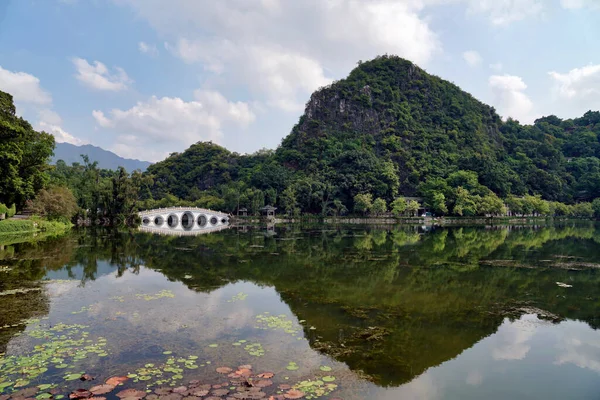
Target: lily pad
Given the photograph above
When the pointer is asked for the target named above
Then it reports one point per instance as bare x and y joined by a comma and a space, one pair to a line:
292, 366
131, 393
116, 380
294, 394
102, 389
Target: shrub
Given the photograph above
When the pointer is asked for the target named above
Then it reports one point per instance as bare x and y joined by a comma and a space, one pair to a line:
55, 203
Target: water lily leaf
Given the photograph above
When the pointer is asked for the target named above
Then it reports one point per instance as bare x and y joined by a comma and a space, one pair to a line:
167, 352
72, 377
102, 389
43, 396
266, 375
292, 366
328, 378
263, 383
80, 394
131, 393
213, 345
325, 368
224, 370
115, 380
294, 394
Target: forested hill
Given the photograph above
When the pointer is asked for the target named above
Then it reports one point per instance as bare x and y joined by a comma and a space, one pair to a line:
391, 129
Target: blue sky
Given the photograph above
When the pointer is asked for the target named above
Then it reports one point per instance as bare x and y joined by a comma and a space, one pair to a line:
145, 78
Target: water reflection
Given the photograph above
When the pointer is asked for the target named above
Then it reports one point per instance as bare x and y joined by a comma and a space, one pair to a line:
445, 313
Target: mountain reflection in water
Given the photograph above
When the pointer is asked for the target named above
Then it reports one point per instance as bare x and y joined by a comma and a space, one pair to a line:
445, 313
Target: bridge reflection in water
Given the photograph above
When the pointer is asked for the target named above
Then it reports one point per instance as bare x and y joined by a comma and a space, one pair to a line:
183, 221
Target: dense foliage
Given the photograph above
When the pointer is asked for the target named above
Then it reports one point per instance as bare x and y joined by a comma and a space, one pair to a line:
390, 129
24, 156
101, 196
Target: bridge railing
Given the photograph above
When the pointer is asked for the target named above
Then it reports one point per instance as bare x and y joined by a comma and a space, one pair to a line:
178, 208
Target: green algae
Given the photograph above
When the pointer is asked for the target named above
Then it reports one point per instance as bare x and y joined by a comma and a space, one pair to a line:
160, 295
255, 349
280, 322
241, 296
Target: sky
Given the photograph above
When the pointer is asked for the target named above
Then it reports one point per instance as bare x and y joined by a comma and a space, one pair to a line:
145, 78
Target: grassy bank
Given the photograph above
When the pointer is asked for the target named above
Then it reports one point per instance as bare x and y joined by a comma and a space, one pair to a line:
17, 226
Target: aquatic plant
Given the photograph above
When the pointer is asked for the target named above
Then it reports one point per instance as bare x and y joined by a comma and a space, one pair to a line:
60, 346
279, 322
238, 297
162, 294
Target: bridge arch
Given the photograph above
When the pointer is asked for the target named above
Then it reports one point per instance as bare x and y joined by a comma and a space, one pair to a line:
173, 220
187, 220
202, 220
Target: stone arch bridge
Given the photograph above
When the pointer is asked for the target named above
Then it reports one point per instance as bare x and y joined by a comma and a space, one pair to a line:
183, 220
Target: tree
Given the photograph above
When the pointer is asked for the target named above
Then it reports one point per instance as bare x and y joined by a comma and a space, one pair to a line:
439, 204
398, 206
55, 203
583, 210
596, 207
339, 208
363, 202
515, 205
491, 205
288, 200
464, 204
412, 207
379, 206
24, 156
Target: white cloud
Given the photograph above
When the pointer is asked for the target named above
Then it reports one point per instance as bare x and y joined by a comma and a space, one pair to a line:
510, 99
472, 58
504, 12
26, 88
579, 83
513, 338
97, 76
49, 116
173, 123
579, 346
23, 87
60, 135
578, 4
496, 67
286, 47
149, 49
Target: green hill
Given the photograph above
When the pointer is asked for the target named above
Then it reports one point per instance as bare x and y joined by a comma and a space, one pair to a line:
391, 129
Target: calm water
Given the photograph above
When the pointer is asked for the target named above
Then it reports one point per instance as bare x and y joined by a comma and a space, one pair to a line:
352, 313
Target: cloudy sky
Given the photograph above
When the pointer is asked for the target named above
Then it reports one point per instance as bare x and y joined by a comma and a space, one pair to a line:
144, 78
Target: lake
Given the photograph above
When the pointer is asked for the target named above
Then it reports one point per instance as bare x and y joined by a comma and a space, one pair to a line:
333, 312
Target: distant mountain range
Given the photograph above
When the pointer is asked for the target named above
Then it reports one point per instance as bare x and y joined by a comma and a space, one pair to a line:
70, 153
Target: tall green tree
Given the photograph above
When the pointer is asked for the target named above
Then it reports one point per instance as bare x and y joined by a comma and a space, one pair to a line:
24, 156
